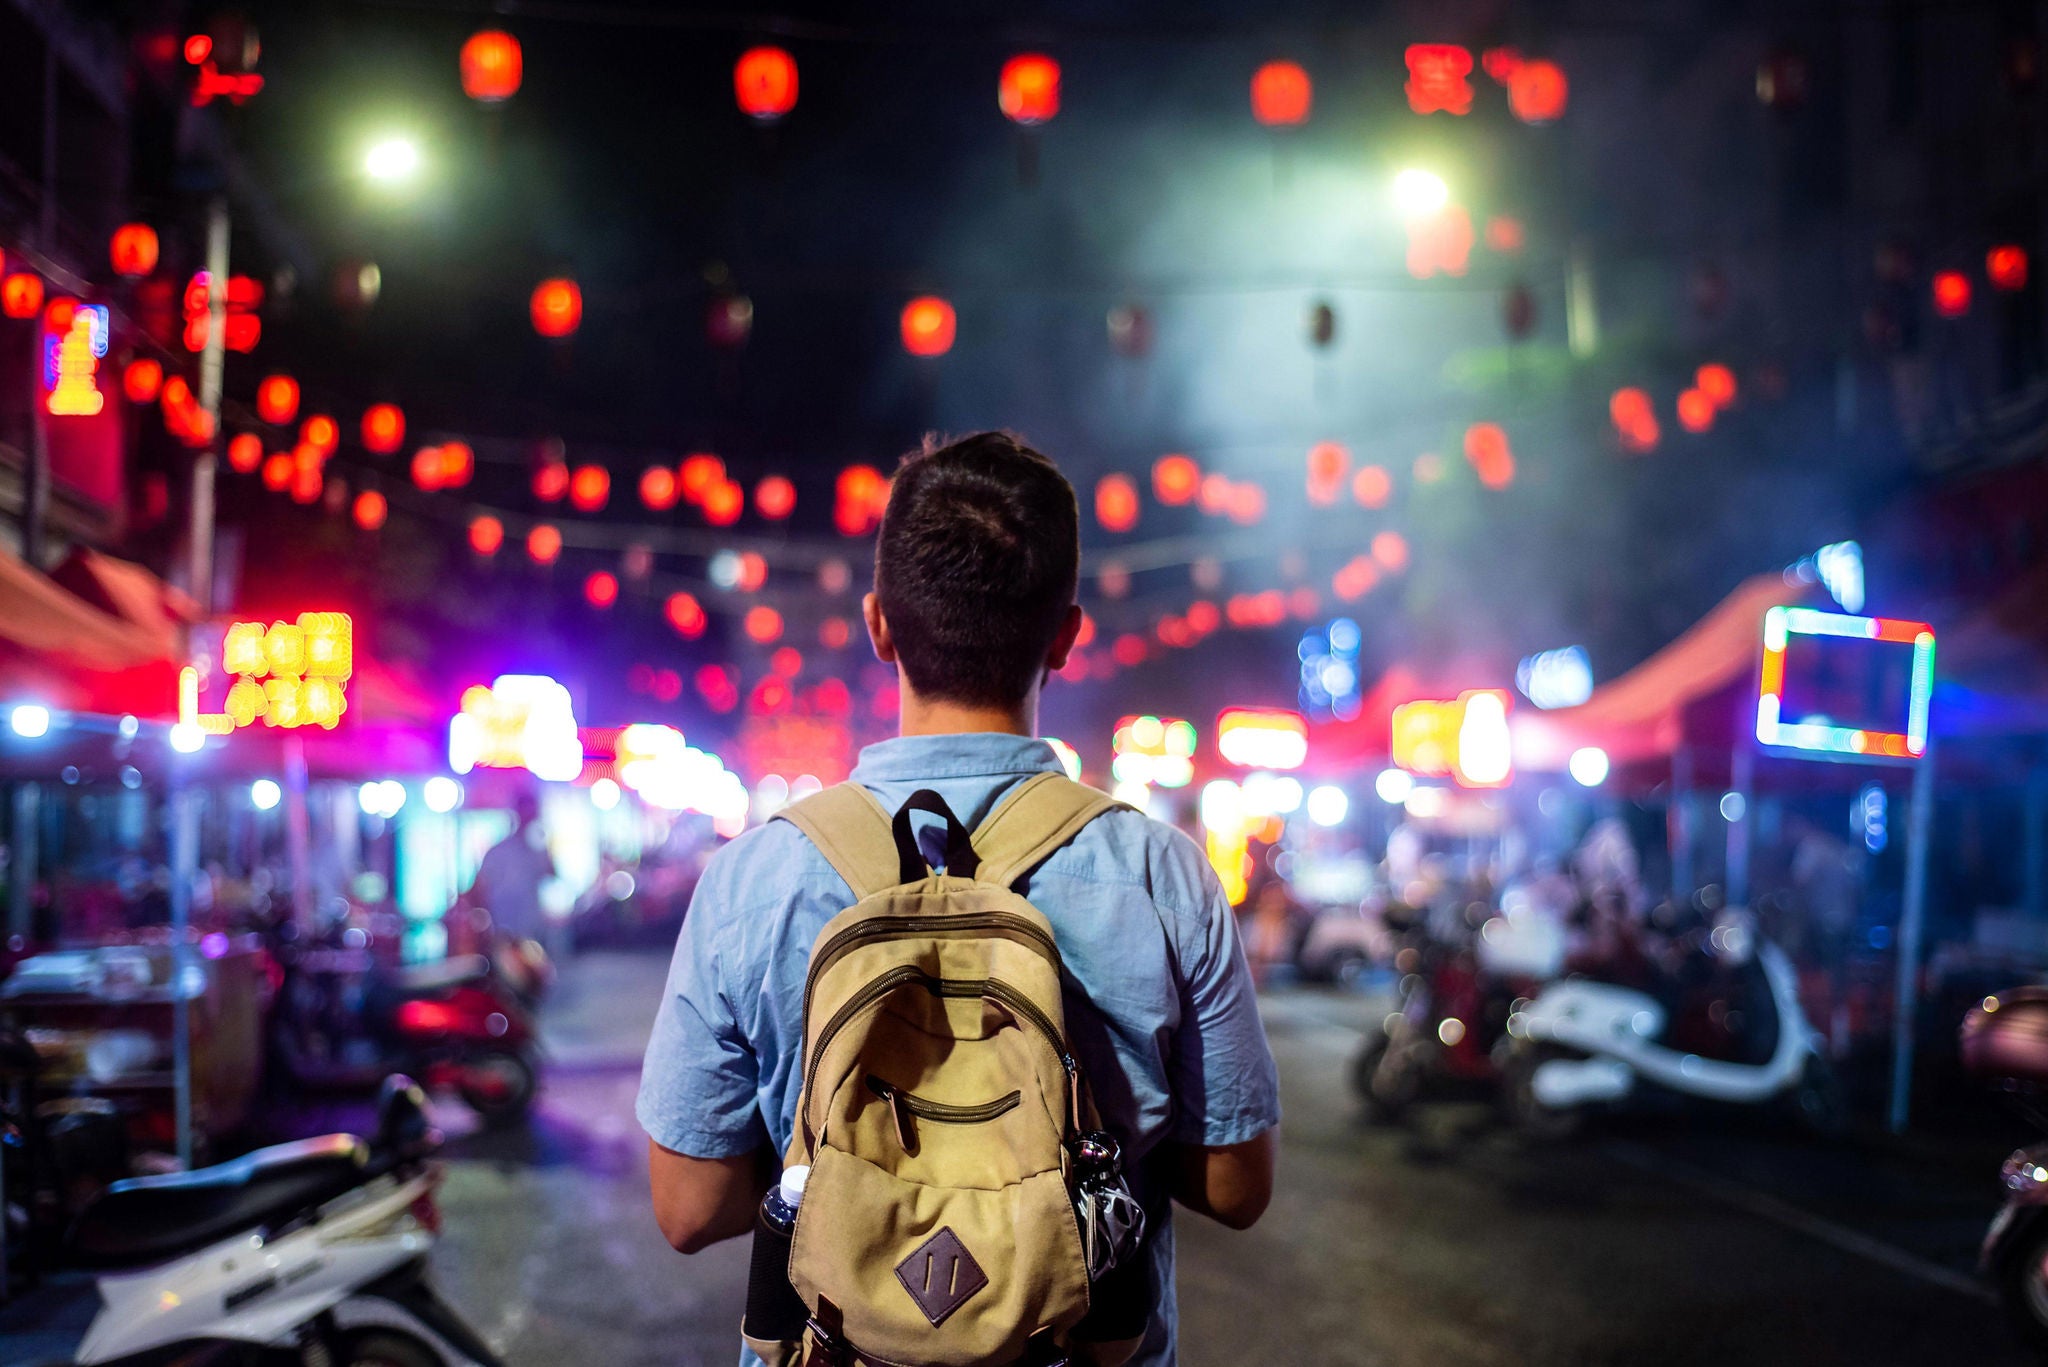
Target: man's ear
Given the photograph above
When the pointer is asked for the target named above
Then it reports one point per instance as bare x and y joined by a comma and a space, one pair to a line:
1063, 640
878, 628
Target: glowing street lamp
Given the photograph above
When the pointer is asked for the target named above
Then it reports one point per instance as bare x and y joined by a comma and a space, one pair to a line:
1419, 193
392, 160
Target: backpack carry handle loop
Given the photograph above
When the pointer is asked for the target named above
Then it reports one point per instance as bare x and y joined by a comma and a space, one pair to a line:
961, 860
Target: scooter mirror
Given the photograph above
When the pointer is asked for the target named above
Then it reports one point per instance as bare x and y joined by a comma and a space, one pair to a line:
402, 1124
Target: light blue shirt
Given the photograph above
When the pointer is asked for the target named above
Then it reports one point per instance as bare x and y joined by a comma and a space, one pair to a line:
1159, 1004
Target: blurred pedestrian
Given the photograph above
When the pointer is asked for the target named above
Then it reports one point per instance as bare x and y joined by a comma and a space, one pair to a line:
509, 877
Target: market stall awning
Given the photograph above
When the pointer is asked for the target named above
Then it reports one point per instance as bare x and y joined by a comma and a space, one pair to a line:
1648, 712
41, 616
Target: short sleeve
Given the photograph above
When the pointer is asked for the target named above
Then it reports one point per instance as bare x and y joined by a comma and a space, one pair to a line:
1225, 1087
698, 1085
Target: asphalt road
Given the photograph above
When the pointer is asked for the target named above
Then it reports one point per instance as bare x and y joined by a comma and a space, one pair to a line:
1446, 1243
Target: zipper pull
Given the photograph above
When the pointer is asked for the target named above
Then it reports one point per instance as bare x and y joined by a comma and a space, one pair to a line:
906, 1130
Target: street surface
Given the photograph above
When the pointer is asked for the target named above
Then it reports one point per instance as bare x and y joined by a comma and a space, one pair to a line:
1446, 1244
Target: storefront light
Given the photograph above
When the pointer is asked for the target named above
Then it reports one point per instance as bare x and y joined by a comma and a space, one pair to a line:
1138, 795
264, 794
441, 793
604, 794
1393, 786
1328, 805
187, 738
1588, 766
30, 720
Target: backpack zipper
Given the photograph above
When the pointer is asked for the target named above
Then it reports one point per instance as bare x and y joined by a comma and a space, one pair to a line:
926, 1109
994, 988
884, 928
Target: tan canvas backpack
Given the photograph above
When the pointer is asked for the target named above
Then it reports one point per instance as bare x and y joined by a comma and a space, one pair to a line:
940, 1102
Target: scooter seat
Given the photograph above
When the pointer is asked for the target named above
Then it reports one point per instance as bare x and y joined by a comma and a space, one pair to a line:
150, 1219
426, 980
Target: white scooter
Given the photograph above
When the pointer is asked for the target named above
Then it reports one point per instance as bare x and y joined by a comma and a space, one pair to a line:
1581, 1045
314, 1248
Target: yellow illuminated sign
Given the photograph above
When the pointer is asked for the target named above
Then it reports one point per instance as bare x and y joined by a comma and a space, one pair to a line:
286, 674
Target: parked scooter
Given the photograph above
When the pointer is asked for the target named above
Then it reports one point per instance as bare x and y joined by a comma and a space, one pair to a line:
311, 1251
1730, 1029
2004, 1040
1456, 998
342, 1020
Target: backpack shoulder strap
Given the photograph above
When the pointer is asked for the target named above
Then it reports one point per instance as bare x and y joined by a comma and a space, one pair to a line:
1041, 814
851, 829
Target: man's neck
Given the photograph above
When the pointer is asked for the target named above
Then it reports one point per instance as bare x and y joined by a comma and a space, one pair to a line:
944, 717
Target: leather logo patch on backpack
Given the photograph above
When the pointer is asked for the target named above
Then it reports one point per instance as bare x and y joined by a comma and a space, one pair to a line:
941, 1276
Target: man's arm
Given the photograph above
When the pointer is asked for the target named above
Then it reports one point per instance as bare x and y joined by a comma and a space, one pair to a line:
1231, 1184
701, 1201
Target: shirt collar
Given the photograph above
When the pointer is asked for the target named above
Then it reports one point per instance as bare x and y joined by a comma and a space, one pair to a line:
969, 754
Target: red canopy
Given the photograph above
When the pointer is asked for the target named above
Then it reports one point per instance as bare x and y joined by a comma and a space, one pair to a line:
1690, 692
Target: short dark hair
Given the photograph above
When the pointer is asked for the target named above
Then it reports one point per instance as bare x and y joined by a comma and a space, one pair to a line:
977, 564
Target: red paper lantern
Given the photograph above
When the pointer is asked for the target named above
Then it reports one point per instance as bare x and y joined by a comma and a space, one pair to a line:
277, 472
427, 469
1695, 411
486, 535
458, 464
1439, 78
1504, 235
492, 66
2006, 266
787, 661
557, 307
1717, 382
1635, 420
764, 82
550, 481
1372, 486
590, 488
752, 573
1951, 294
1029, 90
321, 433
698, 474
928, 326
762, 623
544, 544
277, 399
245, 453
775, 498
1538, 91
383, 428
1390, 549
142, 380
601, 589
1486, 446
686, 615
723, 503
21, 295
834, 633
861, 495
1116, 503
1327, 463
1246, 504
658, 488
1281, 94
1175, 480
371, 510
134, 250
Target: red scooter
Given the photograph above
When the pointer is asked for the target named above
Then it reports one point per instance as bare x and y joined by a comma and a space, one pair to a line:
342, 1020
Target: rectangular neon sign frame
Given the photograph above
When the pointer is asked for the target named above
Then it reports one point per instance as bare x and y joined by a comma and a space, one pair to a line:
1783, 623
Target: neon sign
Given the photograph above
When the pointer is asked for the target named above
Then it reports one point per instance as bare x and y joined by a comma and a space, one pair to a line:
1159, 750
1809, 705
522, 721
1439, 78
71, 363
1465, 739
286, 674
1262, 737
